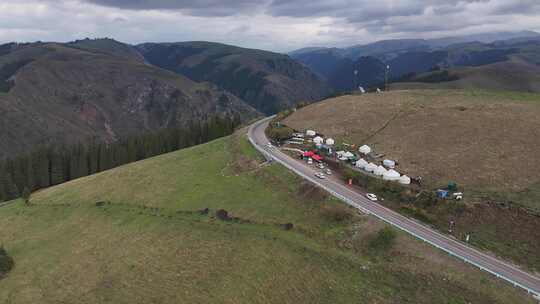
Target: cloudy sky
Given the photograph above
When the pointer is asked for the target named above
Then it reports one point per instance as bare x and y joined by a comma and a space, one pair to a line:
278, 25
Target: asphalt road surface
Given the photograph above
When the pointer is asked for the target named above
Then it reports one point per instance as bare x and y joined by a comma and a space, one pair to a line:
452, 246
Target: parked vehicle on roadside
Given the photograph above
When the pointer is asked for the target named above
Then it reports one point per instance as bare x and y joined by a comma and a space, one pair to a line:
328, 172
372, 197
320, 175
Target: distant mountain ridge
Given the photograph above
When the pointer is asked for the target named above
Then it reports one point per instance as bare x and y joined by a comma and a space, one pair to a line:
267, 81
413, 56
393, 45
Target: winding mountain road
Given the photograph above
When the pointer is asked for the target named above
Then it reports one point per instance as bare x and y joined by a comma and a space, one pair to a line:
501, 269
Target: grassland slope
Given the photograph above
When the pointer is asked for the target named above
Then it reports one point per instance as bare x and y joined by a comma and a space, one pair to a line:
477, 138
510, 75
486, 141
136, 234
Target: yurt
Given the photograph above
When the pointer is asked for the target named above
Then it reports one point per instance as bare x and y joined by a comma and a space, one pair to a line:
311, 133
404, 180
318, 140
330, 142
361, 163
370, 167
391, 175
380, 171
365, 149
389, 163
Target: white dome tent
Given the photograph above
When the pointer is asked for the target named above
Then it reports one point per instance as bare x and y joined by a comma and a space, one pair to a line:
318, 140
389, 163
370, 167
391, 175
380, 171
311, 133
361, 163
365, 149
330, 142
405, 180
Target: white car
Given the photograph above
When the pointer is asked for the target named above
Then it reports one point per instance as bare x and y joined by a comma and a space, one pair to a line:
328, 172
320, 175
269, 145
371, 197
310, 161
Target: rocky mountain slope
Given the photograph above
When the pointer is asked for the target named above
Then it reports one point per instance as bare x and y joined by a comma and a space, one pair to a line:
267, 81
66, 93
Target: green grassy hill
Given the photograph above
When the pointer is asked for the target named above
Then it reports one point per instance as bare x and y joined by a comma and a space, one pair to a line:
136, 234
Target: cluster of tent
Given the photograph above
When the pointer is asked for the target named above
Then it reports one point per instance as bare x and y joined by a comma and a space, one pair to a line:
318, 140
387, 174
387, 171
345, 155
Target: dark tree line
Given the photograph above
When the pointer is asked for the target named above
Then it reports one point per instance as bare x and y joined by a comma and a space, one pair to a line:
56, 164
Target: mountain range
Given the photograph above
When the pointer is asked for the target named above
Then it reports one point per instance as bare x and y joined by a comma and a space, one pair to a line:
104, 89
267, 81
408, 57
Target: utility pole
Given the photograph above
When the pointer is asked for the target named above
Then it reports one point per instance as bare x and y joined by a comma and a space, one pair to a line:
386, 77
355, 81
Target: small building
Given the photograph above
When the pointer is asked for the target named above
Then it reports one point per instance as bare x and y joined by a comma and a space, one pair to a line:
318, 140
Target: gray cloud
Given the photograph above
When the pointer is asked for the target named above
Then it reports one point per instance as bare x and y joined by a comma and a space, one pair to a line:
193, 7
278, 25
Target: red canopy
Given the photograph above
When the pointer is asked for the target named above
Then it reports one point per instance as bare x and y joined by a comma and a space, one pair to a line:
308, 154
316, 157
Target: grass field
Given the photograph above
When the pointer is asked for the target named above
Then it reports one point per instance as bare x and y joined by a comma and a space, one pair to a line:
480, 139
486, 141
145, 241
513, 75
